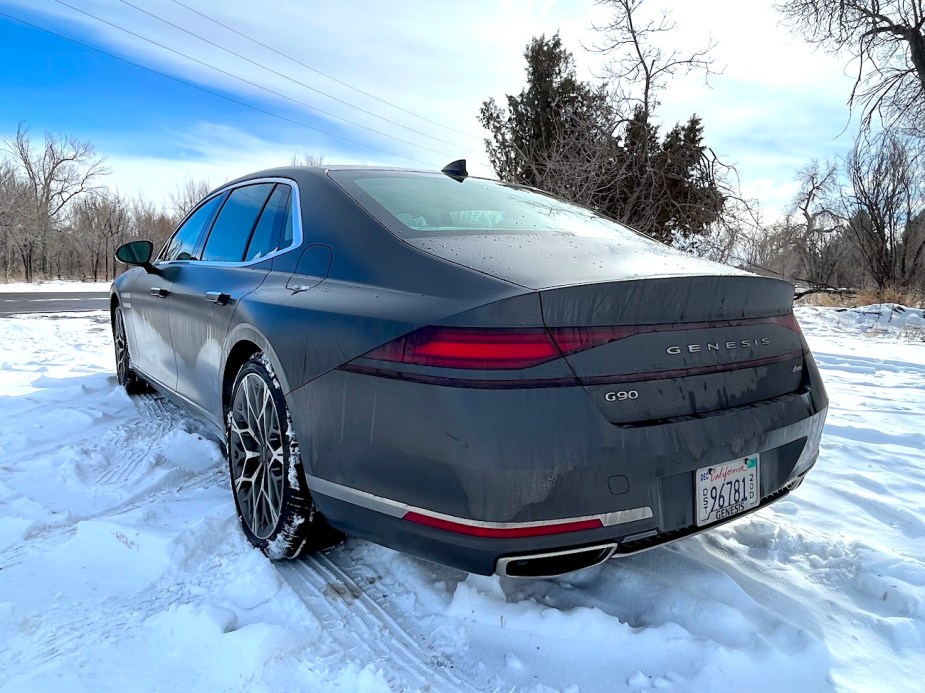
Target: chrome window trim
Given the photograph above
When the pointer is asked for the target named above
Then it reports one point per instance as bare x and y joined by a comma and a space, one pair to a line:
295, 205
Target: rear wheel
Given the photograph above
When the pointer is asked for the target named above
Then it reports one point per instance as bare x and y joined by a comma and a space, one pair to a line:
273, 503
127, 377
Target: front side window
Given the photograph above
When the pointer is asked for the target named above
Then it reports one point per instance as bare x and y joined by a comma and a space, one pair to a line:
182, 245
236, 220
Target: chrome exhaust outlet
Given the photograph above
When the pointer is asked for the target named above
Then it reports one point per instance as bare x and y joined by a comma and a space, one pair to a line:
554, 563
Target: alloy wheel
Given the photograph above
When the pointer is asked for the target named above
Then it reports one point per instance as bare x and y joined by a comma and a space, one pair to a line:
122, 358
258, 464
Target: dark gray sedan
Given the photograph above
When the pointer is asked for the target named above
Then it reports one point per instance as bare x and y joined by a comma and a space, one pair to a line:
472, 372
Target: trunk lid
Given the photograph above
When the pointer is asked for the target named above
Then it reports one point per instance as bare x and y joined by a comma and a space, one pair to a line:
654, 349
537, 261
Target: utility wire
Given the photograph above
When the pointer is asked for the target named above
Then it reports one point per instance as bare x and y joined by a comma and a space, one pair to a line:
213, 93
290, 120
247, 81
317, 71
285, 76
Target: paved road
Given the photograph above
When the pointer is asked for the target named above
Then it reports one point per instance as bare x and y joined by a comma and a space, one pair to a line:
52, 302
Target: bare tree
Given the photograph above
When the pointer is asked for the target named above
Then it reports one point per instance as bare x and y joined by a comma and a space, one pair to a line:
640, 69
818, 223
679, 178
102, 222
13, 207
188, 194
886, 206
886, 38
151, 223
55, 174
308, 159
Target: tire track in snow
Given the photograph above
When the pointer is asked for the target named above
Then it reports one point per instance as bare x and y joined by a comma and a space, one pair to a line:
139, 437
56, 535
365, 628
154, 420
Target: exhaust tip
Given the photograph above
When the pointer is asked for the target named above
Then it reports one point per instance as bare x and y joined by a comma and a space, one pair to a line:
555, 563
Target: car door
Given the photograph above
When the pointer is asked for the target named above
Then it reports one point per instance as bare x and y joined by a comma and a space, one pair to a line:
149, 299
204, 296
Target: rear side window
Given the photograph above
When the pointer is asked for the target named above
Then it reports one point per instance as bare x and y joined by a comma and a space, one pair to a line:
270, 234
184, 242
236, 220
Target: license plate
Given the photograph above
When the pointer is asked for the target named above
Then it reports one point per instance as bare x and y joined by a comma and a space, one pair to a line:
726, 489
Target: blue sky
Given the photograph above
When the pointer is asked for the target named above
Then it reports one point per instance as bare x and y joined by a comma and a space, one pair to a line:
777, 105
125, 108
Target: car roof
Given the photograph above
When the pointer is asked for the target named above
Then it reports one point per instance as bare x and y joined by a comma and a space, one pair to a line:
303, 172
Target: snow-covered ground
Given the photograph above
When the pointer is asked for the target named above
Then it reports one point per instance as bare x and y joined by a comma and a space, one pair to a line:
122, 568
54, 286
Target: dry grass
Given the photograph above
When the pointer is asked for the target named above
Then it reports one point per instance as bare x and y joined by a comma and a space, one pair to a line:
829, 300
865, 297
907, 297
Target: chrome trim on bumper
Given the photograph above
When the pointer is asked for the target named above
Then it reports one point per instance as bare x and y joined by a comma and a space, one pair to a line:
394, 508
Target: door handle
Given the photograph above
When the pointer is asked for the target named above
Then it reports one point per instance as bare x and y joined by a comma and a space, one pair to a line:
218, 298
159, 291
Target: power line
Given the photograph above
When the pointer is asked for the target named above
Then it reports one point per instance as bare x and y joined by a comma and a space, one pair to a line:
247, 81
317, 71
285, 76
213, 93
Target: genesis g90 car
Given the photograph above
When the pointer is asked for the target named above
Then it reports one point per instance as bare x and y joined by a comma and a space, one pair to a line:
468, 371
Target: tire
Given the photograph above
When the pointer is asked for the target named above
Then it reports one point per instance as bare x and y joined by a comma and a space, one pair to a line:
271, 497
126, 376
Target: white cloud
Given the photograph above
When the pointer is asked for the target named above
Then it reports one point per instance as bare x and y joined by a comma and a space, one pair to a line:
212, 152
778, 99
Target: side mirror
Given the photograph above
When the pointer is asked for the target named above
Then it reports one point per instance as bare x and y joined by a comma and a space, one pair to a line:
136, 253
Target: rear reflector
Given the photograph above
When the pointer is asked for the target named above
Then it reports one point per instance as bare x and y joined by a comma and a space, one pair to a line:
528, 530
454, 347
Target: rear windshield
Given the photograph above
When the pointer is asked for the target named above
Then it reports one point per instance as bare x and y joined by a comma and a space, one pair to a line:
418, 205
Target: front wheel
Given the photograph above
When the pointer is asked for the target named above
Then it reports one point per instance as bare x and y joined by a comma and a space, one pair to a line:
127, 377
273, 503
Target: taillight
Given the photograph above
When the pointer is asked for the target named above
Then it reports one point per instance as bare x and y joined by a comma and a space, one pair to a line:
457, 347
789, 321
512, 349
571, 340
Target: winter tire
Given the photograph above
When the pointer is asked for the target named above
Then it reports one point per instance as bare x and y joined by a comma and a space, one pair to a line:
273, 502
126, 376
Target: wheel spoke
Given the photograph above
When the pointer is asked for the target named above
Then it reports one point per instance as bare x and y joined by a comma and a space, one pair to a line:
121, 348
256, 449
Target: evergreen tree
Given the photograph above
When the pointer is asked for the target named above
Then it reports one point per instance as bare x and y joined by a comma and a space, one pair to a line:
567, 137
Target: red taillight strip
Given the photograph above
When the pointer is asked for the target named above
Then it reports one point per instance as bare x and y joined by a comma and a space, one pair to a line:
513, 532
470, 348
515, 349
476, 528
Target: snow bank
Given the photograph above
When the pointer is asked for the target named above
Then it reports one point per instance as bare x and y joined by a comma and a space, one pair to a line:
122, 566
879, 319
54, 286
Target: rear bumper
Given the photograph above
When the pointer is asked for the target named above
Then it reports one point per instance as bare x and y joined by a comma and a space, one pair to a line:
376, 449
